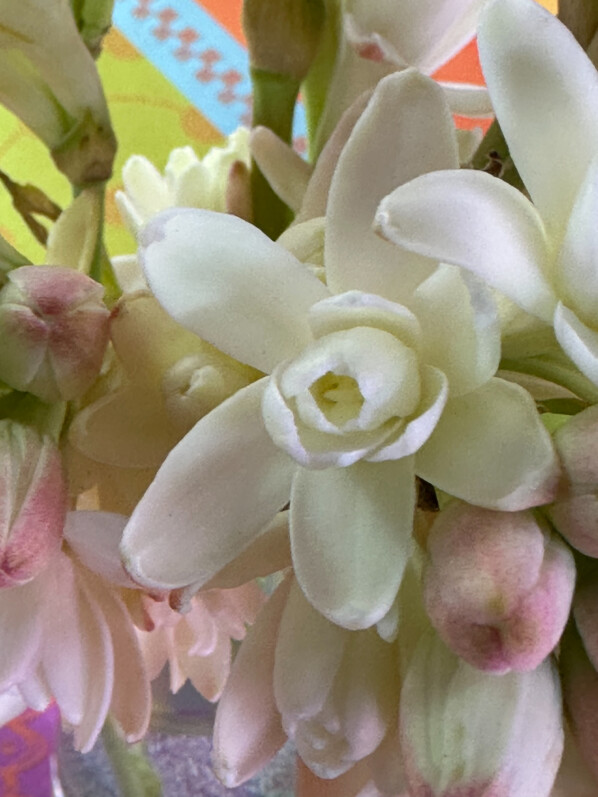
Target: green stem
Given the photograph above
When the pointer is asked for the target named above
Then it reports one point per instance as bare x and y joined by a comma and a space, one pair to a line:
314, 89
274, 98
101, 268
135, 775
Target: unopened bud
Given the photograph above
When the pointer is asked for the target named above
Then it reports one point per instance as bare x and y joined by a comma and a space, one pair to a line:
577, 445
498, 586
53, 332
33, 505
283, 35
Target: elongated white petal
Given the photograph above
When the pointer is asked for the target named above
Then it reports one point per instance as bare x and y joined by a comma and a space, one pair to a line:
285, 169
406, 130
466, 732
473, 220
545, 92
130, 700
229, 283
351, 537
578, 340
98, 663
316, 194
576, 274
467, 99
215, 492
248, 731
491, 449
309, 651
95, 538
461, 334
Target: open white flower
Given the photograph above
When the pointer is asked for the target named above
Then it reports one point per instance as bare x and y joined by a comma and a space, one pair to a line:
385, 373
541, 255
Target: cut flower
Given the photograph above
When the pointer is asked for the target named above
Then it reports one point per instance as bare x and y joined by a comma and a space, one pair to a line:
366, 388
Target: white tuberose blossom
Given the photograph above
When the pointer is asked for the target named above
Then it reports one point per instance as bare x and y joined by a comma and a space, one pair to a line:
385, 373
541, 255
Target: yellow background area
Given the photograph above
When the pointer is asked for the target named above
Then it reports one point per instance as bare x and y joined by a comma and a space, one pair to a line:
150, 117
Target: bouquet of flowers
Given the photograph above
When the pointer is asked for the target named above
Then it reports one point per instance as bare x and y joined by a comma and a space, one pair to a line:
328, 442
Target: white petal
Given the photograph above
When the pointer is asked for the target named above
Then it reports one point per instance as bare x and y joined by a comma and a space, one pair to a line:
248, 731
426, 33
416, 431
467, 99
130, 701
145, 187
285, 169
461, 333
491, 449
229, 283
476, 221
576, 274
351, 538
316, 195
95, 538
578, 340
406, 130
309, 651
98, 663
215, 492
545, 92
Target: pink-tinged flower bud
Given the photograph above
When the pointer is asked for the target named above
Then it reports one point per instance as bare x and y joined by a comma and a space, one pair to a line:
576, 518
580, 691
33, 500
466, 733
498, 586
577, 445
54, 330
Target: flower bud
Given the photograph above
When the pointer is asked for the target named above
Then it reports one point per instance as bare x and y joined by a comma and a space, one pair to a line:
336, 690
54, 330
465, 732
33, 505
498, 586
577, 445
49, 79
283, 35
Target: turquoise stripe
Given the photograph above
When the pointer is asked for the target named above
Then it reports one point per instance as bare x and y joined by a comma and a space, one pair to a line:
218, 84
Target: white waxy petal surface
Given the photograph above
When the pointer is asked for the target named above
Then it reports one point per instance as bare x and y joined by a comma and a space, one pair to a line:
351, 537
405, 131
473, 220
545, 92
215, 492
229, 283
491, 449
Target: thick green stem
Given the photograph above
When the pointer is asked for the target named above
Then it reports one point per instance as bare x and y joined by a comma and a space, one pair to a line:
274, 98
135, 775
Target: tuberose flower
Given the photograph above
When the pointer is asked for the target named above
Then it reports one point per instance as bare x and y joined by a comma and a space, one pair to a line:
372, 380
539, 253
